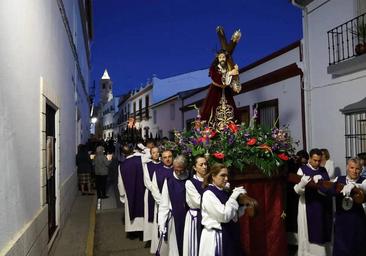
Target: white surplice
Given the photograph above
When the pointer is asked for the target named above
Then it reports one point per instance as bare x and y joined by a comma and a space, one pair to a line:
213, 214
165, 215
305, 248
193, 199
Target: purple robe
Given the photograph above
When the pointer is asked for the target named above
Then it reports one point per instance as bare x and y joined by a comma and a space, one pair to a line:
151, 167
318, 209
161, 174
231, 230
198, 185
133, 181
177, 195
349, 227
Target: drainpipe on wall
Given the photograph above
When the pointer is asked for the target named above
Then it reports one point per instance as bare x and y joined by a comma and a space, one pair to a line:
306, 72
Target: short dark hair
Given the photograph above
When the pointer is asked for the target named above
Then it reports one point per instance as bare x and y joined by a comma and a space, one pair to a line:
303, 154
315, 151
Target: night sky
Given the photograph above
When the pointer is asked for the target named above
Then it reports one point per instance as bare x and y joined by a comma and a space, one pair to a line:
135, 39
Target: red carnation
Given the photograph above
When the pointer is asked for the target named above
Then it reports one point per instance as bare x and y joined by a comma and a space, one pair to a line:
233, 127
283, 156
218, 155
201, 140
213, 134
252, 141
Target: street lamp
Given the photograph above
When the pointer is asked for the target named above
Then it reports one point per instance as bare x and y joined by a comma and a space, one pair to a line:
94, 120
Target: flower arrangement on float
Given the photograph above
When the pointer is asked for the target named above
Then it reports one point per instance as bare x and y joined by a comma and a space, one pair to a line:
236, 145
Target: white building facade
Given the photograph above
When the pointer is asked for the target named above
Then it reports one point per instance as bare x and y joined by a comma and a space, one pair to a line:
44, 115
334, 77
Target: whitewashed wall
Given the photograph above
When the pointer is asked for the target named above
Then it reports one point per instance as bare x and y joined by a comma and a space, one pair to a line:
167, 87
34, 45
164, 121
327, 94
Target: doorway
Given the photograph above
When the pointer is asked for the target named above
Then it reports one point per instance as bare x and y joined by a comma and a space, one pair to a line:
51, 169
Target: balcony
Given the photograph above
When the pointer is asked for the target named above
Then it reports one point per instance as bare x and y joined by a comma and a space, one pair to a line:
347, 46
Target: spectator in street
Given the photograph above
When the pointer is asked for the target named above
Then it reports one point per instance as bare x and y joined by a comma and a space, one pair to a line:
315, 209
220, 215
350, 218
194, 190
84, 168
101, 163
173, 207
327, 163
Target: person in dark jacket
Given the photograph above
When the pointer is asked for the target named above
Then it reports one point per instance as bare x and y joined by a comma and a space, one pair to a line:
84, 168
101, 163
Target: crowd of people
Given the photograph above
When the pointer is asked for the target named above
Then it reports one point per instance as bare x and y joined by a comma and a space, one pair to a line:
182, 209
321, 208
179, 209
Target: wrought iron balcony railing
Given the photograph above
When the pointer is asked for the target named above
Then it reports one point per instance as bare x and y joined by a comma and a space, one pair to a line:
347, 40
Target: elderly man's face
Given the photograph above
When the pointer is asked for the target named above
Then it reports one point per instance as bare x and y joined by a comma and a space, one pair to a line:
167, 158
178, 169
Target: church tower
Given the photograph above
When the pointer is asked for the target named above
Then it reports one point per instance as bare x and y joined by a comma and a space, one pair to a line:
105, 89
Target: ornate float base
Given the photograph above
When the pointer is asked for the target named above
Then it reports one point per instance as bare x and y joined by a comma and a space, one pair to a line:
264, 234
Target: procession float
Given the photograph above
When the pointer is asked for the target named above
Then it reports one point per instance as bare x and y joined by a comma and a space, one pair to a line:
254, 154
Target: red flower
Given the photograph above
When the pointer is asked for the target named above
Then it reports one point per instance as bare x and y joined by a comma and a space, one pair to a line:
233, 127
218, 155
213, 134
252, 141
283, 156
209, 132
201, 140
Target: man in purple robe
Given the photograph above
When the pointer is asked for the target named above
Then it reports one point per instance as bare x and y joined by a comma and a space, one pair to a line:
131, 187
161, 172
350, 218
315, 209
173, 207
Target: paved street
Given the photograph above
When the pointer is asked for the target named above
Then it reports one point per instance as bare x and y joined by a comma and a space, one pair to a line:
110, 238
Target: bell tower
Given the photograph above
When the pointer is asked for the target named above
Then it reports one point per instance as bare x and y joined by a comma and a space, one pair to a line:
105, 88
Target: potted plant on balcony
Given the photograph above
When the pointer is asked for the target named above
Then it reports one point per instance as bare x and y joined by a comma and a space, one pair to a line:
360, 34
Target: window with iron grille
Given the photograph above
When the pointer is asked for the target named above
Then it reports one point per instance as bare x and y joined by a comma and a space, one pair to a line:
355, 125
267, 112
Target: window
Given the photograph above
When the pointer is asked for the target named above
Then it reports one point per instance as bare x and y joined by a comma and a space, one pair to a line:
268, 113
244, 114
172, 111
147, 106
154, 116
355, 134
189, 124
355, 128
103, 86
134, 109
140, 108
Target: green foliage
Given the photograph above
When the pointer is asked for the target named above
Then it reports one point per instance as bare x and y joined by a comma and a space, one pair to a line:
237, 146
